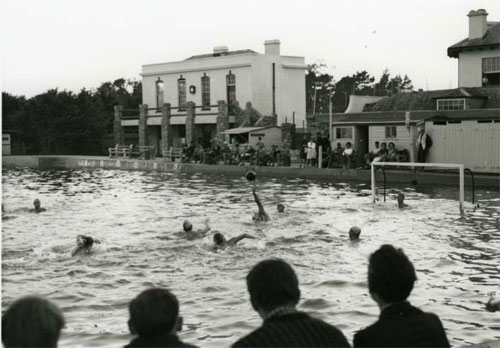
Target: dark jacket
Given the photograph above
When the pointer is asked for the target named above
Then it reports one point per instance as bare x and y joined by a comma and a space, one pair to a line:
402, 325
294, 330
169, 341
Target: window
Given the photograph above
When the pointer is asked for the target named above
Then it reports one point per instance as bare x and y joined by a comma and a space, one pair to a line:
159, 93
491, 71
205, 91
451, 104
391, 132
181, 88
343, 132
491, 65
231, 88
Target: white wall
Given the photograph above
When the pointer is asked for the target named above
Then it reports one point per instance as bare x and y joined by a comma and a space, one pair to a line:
270, 136
253, 82
218, 89
469, 142
470, 65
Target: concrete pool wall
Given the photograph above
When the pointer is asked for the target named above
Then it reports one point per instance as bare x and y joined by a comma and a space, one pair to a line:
160, 165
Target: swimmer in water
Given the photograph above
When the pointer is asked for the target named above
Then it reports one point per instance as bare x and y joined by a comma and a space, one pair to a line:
493, 304
261, 215
221, 242
354, 233
37, 208
401, 201
83, 244
280, 207
190, 234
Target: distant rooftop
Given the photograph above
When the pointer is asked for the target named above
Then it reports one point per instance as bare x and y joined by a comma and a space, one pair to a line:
224, 53
426, 100
490, 40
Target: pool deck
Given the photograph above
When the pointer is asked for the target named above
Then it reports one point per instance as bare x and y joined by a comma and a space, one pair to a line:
401, 176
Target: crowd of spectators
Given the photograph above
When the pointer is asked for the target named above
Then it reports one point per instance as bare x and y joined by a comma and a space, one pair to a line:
273, 286
235, 153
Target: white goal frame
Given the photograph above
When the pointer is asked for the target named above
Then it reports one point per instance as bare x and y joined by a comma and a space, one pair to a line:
458, 166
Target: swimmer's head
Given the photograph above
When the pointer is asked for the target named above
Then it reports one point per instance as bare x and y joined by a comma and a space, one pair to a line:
37, 203
401, 198
280, 207
354, 233
84, 241
219, 238
188, 227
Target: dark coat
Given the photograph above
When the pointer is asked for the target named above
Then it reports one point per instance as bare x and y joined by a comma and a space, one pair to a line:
402, 325
294, 330
169, 341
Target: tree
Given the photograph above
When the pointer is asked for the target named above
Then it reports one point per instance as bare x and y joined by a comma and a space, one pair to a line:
387, 86
317, 91
12, 106
62, 122
360, 83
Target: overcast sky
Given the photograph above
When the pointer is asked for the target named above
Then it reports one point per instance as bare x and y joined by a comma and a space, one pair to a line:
72, 45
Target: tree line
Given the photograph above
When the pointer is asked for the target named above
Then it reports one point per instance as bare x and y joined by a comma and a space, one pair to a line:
321, 87
63, 122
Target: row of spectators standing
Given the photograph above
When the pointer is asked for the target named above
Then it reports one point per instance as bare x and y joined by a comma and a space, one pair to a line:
311, 147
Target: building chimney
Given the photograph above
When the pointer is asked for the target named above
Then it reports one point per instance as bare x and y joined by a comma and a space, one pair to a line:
272, 47
220, 50
477, 23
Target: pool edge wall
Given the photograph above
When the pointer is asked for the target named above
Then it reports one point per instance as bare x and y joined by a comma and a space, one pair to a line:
159, 165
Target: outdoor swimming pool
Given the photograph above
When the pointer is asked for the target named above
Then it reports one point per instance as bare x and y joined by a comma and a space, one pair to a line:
138, 218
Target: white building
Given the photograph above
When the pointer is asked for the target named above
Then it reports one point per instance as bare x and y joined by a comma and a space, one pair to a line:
479, 54
273, 83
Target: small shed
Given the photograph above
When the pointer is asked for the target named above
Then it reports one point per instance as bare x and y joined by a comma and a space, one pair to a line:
471, 137
270, 135
362, 130
11, 143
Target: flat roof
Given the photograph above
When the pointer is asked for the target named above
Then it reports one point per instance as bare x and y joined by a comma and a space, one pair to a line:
243, 130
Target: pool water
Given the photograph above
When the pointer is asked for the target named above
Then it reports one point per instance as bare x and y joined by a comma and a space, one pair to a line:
138, 219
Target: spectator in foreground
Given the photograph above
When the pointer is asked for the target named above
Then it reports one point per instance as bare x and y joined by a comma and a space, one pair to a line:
154, 318
32, 322
274, 292
390, 281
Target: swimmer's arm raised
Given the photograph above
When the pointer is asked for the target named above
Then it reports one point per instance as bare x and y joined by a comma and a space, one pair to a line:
257, 200
76, 250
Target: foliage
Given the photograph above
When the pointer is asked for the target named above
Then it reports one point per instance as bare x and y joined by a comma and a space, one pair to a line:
360, 83
317, 84
62, 122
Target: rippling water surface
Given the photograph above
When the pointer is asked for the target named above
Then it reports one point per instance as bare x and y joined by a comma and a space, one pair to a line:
138, 219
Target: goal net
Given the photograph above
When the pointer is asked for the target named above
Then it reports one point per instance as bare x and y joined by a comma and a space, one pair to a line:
460, 168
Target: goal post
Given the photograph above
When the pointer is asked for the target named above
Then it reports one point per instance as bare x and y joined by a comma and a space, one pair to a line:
460, 168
